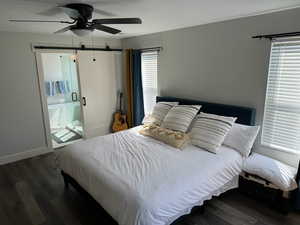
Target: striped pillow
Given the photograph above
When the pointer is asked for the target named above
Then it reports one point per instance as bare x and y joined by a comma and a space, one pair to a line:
180, 117
159, 112
209, 131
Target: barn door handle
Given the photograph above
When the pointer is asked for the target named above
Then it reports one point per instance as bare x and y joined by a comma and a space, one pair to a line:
83, 101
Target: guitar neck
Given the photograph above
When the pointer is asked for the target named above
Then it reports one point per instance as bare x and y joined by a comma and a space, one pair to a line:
120, 105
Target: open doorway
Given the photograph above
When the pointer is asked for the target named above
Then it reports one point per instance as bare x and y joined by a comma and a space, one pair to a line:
60, 89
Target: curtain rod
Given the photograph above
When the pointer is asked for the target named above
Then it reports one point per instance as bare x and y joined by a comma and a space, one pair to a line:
83, 48
271, 36
151, 49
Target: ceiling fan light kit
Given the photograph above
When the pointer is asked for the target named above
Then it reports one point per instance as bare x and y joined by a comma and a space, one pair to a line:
82, 25
81, 32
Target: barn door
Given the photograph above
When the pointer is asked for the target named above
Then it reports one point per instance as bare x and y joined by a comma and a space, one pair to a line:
97, 74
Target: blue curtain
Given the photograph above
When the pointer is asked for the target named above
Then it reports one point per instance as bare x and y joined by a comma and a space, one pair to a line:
138, 100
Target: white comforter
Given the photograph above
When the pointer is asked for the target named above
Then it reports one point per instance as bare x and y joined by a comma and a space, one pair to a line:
141, 181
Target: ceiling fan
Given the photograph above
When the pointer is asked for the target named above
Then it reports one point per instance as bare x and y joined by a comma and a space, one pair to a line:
81, 24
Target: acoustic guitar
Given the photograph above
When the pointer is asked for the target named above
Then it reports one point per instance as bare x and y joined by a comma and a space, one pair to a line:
120, 122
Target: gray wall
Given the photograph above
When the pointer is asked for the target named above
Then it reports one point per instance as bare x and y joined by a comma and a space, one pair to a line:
21, 125
220, 62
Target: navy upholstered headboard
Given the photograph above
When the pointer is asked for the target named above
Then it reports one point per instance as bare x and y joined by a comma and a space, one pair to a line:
244, 115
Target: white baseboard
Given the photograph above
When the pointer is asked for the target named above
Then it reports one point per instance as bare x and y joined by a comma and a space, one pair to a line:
24, 155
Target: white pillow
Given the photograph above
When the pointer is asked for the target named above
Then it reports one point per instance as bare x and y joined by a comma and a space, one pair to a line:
180, 117
278, 173
241, 138
209, 131
159, 112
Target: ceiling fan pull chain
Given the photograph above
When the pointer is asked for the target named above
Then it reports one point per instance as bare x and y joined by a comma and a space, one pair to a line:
93, 51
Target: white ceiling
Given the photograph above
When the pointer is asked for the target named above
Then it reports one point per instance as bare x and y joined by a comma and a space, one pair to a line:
157, 15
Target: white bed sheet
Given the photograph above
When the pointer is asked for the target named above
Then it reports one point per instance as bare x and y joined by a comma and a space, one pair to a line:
141, 181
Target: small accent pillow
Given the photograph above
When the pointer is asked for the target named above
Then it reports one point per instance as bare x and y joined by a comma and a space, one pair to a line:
180, 117
241, 137
159, 112
278, 173
174, 138
209, 131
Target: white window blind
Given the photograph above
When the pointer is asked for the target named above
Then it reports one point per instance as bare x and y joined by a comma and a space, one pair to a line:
281, 124
149, 79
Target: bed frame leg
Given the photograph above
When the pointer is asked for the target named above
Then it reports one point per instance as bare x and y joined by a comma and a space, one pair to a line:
66, 181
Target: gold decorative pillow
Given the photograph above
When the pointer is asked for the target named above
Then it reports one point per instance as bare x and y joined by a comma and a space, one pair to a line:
149, 119
176, 139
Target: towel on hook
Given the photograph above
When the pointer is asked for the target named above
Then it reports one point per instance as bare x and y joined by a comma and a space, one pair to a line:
57, 87
67, 85
60, 87
63, 86
50, 88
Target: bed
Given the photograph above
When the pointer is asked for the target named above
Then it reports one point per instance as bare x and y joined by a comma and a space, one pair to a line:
141, 181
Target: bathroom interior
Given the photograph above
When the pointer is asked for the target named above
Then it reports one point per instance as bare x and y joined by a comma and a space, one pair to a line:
63, 97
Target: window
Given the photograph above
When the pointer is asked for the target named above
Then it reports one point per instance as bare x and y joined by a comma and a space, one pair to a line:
149, 78
281, 124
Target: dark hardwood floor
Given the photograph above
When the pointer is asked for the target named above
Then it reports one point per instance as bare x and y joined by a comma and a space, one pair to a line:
32, 193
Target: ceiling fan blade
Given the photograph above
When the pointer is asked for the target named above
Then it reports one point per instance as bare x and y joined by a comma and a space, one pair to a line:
64, 29
72, 13
104, 13
105, 29
41, 21
118, 21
